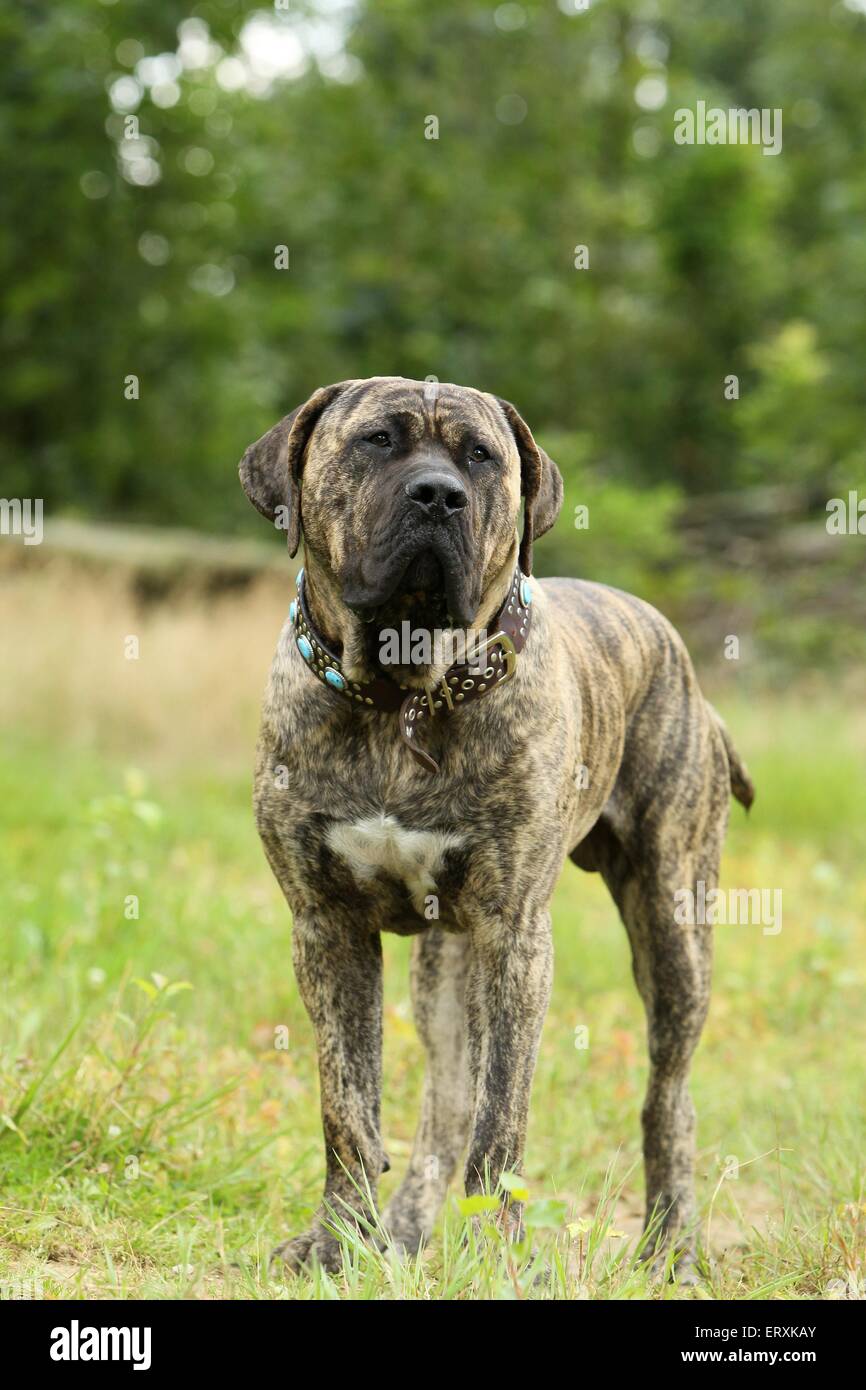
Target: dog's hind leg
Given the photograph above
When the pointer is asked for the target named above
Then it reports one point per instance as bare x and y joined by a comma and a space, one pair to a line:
672, 965
672, 968
439, 961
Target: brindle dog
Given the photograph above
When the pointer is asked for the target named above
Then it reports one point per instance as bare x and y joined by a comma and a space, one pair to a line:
601, 747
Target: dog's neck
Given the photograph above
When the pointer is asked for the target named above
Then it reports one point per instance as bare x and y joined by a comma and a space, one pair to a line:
347, 634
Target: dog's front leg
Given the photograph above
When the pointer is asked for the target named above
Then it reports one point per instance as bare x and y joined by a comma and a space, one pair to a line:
507, 993
338, 964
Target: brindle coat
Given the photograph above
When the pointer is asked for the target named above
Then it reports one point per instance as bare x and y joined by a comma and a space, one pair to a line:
601, 747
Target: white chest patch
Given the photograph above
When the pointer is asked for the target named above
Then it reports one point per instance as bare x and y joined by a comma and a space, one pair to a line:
380, 844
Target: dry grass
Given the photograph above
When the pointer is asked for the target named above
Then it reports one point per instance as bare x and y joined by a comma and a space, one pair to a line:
191, 695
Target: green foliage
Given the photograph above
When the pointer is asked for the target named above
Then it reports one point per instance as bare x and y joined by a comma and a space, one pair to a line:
154, 256
608, 529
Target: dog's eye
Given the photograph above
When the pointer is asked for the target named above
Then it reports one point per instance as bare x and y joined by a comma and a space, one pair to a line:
479, 453
380, 438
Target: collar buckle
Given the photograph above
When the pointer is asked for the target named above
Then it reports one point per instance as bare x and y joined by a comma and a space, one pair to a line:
510, 652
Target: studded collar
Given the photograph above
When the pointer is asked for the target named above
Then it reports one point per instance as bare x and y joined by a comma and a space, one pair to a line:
493, 663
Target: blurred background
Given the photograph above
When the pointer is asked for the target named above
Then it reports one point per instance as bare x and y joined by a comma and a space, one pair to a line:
156, 156
158, 152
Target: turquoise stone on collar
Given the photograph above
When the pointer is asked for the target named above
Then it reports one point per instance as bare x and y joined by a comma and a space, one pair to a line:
322, 662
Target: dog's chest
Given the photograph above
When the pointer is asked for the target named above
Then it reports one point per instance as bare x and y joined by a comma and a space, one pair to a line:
380, 844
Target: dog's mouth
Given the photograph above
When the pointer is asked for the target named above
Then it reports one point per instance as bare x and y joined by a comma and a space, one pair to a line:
421, 594
402, 630
426, 582
409, 619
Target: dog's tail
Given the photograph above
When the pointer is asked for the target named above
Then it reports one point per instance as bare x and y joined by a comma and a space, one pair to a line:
741, 783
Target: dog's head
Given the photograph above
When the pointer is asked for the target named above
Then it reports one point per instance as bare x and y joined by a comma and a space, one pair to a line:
407, 492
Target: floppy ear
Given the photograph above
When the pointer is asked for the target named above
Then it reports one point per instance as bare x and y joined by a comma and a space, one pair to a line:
540, 483
270, 470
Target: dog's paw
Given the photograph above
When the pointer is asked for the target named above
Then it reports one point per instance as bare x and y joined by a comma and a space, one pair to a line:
684, 1271
314, 1247
402, 1229
405, 1240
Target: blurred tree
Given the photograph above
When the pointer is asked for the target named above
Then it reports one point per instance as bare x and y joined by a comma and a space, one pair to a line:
149, 249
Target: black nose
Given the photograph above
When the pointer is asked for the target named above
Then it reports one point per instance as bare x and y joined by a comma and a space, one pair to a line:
438, 494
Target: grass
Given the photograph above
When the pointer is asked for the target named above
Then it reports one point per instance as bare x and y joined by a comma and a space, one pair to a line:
160, 1124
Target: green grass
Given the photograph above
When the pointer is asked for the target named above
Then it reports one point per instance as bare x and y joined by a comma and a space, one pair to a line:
168, 1144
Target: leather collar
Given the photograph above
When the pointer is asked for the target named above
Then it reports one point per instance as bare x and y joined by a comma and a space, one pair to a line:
494, 662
